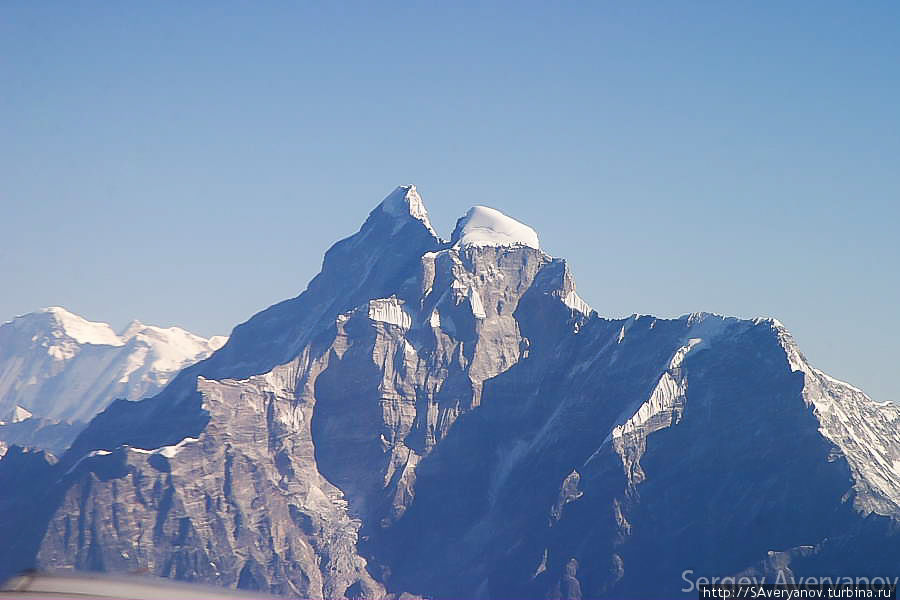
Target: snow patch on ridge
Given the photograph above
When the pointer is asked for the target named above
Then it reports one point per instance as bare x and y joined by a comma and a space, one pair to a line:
822, 373
476, 304
666, 397
92, 454
389, 310
866, 432
665, 406
484, 226
167, 451
574, 301
81, 330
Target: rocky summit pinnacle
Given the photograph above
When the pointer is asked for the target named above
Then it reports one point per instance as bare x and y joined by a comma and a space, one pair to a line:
405, 202
452, 420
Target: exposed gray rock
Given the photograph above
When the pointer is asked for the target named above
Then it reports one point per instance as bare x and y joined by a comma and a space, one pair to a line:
449, 419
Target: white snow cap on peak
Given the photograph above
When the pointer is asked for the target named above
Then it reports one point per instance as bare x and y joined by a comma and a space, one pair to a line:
405, 200
484, 226
168, 342
81, 330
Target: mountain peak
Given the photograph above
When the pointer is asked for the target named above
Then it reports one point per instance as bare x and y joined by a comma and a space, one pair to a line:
464, 388
131, 329
485, 226
52, 349
80, 329
406, 202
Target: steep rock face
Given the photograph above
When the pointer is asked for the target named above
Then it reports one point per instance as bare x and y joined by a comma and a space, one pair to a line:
746, 457
374, 263
672, 450
27, 478
403, 371
242, 505
266, 519
450, 419
345, 423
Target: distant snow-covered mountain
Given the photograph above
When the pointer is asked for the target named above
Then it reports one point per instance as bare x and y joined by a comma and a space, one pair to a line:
60, 366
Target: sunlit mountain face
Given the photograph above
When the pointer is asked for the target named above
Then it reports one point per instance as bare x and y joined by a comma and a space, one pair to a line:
448, 418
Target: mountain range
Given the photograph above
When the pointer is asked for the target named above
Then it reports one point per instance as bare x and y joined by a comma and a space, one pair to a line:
58, 370
449, 419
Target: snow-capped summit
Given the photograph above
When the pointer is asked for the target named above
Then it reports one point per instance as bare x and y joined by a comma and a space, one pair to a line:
59, 365
131, 329
406, 202
484, 226
78, 328
170, 345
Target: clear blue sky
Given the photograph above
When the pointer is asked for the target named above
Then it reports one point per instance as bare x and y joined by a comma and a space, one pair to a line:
189, 162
